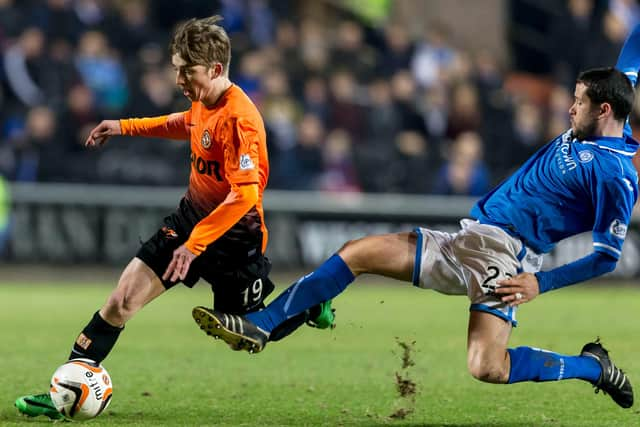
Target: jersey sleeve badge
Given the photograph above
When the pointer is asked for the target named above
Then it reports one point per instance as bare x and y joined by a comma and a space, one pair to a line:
246, 163
618, 229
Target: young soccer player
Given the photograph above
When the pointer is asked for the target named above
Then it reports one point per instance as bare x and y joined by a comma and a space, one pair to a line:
583, 180
217, 232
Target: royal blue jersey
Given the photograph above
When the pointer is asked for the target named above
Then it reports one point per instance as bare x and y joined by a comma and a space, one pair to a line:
568, 187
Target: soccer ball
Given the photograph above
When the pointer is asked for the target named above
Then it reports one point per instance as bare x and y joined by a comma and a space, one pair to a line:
81, 389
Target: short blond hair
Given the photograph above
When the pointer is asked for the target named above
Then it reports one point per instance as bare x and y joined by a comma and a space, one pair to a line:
202, 42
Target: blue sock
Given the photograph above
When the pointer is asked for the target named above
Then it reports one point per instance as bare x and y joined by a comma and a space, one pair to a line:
330, 279
534, 364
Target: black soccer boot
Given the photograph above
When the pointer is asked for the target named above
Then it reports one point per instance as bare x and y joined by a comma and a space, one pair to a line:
235, 330
613, 380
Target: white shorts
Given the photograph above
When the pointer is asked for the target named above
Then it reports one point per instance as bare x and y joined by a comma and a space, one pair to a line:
470, 262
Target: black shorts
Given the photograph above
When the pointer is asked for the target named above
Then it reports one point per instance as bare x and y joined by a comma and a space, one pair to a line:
233, 265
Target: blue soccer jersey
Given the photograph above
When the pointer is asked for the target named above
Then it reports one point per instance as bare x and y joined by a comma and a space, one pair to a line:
568, 187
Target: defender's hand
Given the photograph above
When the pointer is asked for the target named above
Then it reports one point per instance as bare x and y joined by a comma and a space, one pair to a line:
518, 289
102, 132
179, 265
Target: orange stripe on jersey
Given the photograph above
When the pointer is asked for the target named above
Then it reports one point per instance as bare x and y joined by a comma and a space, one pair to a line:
173, 126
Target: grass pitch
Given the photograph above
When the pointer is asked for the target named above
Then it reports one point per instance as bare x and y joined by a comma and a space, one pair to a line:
166, 372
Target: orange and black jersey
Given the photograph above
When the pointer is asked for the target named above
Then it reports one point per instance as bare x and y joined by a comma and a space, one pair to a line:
229, 163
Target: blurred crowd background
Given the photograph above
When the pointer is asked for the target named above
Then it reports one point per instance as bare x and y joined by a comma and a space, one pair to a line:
353, 99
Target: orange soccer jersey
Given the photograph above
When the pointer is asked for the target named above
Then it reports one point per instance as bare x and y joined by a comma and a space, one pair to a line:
229, 163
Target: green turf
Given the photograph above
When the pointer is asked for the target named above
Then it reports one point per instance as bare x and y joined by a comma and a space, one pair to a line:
166, 372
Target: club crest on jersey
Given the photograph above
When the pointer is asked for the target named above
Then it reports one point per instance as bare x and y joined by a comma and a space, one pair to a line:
206, 140
618, 229
585, 156
245, 162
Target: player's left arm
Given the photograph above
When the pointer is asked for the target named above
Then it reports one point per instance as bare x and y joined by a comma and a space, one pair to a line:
238, 202
241, 171
614, 199
526, 286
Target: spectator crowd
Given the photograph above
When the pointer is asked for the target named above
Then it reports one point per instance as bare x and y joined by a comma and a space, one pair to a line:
348, 106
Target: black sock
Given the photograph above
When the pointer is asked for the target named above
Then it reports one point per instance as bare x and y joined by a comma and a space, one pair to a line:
96, 340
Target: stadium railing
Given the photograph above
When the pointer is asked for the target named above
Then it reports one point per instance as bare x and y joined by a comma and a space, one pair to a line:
78, 223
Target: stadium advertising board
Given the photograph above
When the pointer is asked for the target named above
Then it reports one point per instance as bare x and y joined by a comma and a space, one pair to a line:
105, 225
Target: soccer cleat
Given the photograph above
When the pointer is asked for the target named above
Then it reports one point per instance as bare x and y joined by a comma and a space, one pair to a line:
322, 316
613, 380
38, 404
237, 331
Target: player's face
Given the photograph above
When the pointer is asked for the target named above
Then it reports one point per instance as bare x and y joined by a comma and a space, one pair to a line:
196, 81
583, 114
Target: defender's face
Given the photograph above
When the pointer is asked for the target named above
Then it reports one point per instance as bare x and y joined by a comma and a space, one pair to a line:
583, 114
196, 81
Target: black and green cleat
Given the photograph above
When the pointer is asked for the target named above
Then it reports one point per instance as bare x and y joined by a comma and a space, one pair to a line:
34, 405
322, 316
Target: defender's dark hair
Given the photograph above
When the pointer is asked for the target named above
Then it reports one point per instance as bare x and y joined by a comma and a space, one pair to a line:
611, 86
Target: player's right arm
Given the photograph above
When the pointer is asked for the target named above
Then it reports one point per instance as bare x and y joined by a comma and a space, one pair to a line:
172, 126
102, 132
629, 63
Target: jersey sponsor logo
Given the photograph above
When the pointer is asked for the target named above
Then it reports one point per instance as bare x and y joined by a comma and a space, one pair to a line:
564, 160
585, 156
246, 163
206, 140
206, 167
618, 229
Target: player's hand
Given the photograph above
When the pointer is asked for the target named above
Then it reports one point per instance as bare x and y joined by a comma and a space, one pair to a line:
179, 265
102, 132
518, 289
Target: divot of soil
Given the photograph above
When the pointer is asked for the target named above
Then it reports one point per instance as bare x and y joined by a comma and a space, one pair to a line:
405, 386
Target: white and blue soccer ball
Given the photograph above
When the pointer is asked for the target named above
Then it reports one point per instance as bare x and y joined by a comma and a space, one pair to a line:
81, 389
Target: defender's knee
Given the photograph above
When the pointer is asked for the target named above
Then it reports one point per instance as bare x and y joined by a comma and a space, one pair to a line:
351, 254
487, 366
348, 245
